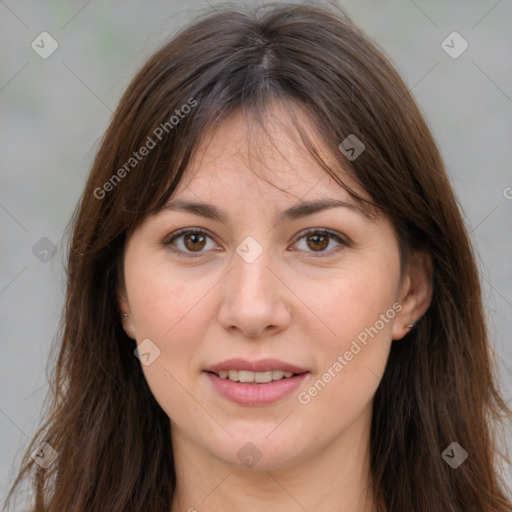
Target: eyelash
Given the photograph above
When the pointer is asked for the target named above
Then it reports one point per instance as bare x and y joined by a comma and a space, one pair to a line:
326, 232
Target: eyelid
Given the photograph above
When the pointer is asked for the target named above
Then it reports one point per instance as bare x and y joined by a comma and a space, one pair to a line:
169, 238
341, 239
334, 234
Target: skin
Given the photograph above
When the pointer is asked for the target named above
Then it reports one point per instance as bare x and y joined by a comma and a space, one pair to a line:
287, 304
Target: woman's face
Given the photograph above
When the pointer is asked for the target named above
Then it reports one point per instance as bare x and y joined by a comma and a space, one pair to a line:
266, 291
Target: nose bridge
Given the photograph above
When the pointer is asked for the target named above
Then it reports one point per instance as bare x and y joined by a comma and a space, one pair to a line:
253, 298
251, 273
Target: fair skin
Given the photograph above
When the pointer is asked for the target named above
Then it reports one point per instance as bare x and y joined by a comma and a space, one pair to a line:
287, 304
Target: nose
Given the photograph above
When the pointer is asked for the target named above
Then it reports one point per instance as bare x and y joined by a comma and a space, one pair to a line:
255, 299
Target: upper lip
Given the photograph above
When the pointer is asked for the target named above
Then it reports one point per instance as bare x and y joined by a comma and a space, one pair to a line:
262, 365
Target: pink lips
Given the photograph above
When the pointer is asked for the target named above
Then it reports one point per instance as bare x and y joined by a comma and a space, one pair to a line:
263, 365
254, 394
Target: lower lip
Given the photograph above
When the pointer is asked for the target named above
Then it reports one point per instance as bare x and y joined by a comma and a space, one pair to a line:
256, 394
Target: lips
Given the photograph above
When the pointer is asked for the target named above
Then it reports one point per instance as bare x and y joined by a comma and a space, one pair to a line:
263, 365
252, 383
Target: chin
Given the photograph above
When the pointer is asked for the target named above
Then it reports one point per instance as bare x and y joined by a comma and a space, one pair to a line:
259, 453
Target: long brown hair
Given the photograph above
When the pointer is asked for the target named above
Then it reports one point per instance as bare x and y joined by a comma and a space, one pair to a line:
111, 437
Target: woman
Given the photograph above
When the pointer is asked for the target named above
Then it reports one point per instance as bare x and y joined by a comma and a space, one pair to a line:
272, 300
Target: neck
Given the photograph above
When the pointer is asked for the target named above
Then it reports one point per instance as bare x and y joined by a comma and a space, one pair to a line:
336, 478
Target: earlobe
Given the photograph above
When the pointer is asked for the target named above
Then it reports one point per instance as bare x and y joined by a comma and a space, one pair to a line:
122, 303
126, 320
415, 294
128, 327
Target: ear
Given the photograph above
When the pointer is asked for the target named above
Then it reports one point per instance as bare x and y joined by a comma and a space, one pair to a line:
126, 317
415, 293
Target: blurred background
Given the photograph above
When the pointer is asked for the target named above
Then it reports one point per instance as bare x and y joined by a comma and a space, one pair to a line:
64, 66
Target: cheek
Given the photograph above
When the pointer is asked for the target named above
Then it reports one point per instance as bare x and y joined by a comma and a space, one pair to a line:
352, 300
169, 310
349, 370
162, 299
359, 308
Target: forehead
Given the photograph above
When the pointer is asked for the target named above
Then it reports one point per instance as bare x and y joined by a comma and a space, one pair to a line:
264, 160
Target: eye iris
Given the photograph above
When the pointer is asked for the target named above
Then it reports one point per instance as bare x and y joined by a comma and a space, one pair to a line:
314, 238
194, 237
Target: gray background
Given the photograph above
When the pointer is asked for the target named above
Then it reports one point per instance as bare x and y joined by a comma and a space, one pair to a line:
54, 111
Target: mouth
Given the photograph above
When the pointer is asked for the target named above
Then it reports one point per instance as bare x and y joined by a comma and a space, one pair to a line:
256, 383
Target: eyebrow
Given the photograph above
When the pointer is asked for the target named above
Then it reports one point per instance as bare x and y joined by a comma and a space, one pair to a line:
296, 211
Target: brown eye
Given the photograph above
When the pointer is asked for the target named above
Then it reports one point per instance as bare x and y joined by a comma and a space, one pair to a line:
317, 242
194, 241
189, 242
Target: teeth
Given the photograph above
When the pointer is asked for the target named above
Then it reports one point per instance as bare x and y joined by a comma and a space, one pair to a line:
262, 376
248, 376
244, 376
